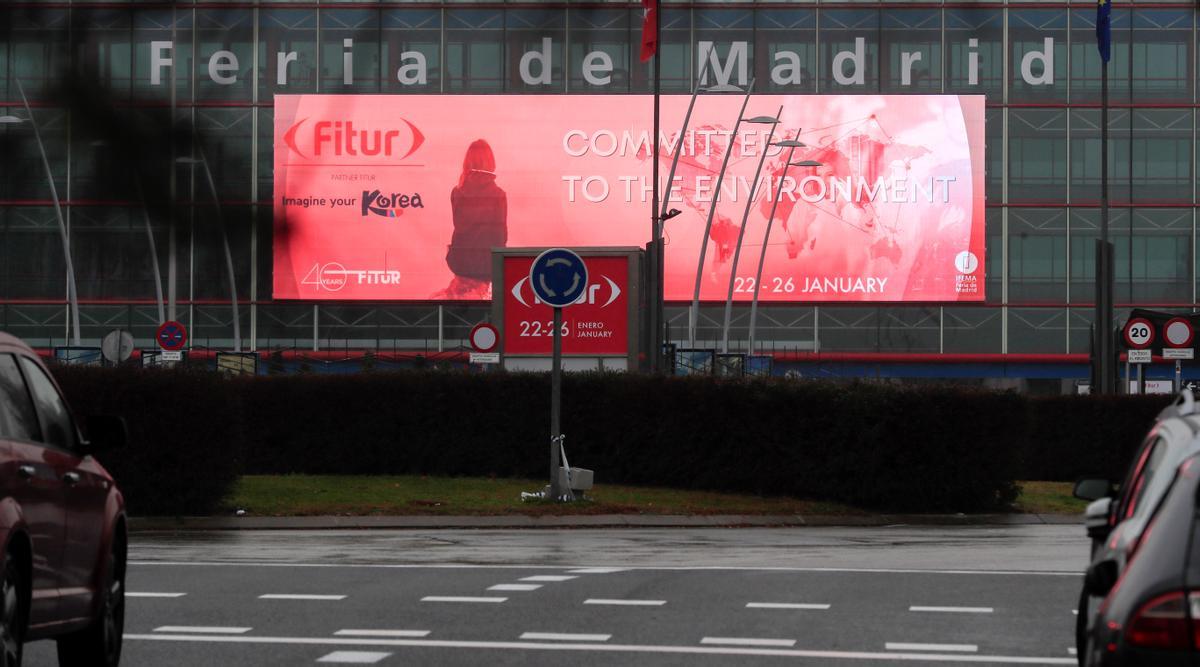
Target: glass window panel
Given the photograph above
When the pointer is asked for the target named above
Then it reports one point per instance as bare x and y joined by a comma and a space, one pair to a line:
845, 329
994, 256
226, 134
1037, 255
675, 48
599, 31
968, 330
38, 52
412, 31
1161, 156
731, 33
1085, 229
909, 329
912, 51
1038, 60
57, 428
31, 254
1085, 156
111, 253
526, 34
1086, 65
210, 275
287, 51
851, 38
474, 50
993, 154
986, 28
285, 325
1161, 258
1037, 330
212, 326
18, 421
352, 33
225, 55
22, 171
785, 49
1162, 62
103, 50
1037, 155
163, 25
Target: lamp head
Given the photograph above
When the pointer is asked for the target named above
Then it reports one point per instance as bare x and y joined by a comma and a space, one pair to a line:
807, 163
722, 88
763, 120
10, 120
671, 214
789, 143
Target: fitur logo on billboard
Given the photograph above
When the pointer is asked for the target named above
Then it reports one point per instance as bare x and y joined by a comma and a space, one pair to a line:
848, 68
588, 296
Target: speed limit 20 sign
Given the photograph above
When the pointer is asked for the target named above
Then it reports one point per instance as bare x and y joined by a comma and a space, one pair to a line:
1139, 333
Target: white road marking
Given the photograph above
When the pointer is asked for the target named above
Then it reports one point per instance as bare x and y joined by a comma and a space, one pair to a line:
382, 633
748, 641
906, 646
550, 577
786, 605
645, 568
626, 603
514, 587
598, 570
354, 657
614, 648
955, 610
202, 629
565, 637
294, 596
1072, 651
457, 598
1074, 612
132, 594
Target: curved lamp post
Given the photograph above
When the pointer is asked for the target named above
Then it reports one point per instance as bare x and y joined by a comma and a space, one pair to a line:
694, 313
737, 249
212, 187
791, 145
72, 293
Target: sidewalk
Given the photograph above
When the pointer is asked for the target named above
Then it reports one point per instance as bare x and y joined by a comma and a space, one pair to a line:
148, 524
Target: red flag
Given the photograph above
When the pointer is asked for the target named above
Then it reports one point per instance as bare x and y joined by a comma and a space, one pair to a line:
649, 28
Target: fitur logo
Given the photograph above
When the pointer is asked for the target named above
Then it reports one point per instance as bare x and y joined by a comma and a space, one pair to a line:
336, 138
525, 296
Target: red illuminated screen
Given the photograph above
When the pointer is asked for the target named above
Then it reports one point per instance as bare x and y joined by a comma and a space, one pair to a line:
402, 197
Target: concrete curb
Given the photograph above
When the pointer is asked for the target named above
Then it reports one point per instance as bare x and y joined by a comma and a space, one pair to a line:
159, 524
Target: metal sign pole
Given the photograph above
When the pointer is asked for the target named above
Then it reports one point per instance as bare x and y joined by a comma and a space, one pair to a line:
555, 405
1141, 380
1178, 376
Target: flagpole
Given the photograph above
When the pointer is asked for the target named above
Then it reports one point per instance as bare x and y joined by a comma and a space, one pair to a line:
1105, 347
656, 306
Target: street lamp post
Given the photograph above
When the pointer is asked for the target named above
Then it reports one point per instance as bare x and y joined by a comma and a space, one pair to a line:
212, 186
737, 249
791, 145
72, 293
694, 313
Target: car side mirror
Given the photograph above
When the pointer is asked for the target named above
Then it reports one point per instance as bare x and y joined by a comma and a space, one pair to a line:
1100, 578
1092, 489
105, 432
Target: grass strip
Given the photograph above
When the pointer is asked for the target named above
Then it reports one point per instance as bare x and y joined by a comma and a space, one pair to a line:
405, 495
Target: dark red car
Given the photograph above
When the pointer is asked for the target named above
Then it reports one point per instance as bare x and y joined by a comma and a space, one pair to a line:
62, 520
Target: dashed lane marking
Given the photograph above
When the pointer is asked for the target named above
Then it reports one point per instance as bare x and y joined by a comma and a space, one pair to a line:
295, 596
461, 598
626, 603
139, 594
613, 648
515, 587
550, 577
955, 610
749, 641
381, 633
202, 629
598, 570
565, 637
354, 657
908, 646
786, 605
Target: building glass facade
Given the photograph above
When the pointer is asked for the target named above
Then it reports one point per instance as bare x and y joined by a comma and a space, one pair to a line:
211, 68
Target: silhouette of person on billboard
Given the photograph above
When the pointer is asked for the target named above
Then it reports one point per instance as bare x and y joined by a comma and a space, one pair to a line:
480, 211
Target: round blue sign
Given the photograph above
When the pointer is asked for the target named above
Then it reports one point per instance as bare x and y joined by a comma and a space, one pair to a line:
558, 277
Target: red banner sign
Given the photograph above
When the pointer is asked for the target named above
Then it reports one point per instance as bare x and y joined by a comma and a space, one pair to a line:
596, 325
403, 197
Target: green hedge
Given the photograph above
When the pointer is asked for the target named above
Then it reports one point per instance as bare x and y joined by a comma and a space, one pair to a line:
872, 445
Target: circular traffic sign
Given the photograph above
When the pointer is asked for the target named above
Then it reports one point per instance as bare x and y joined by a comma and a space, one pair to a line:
1139, 333
558, 277
484, 337
171, 335
1178, 332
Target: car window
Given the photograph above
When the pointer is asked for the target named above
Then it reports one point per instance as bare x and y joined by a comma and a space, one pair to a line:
56, 418
18, 421
1143, 477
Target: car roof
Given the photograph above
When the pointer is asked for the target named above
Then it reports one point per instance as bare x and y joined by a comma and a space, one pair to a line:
12, 342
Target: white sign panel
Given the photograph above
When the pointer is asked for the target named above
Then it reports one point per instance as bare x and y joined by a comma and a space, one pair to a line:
1179, 353
1139, 356
485, 357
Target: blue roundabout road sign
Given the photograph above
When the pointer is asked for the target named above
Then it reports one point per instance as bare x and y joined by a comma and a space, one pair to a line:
558, 277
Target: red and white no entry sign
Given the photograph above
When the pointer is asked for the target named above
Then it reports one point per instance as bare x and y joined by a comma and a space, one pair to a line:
1178, 332
484, 337
1139, 333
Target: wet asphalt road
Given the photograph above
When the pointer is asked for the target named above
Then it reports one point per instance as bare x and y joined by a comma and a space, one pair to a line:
812, 596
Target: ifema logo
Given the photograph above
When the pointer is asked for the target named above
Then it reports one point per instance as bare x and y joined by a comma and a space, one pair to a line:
966, 262
966, 282
389, 205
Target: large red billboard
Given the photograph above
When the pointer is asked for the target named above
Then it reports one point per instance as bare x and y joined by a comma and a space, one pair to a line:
382, 197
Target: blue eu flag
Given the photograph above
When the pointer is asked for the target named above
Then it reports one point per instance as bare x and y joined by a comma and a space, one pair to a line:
1104, 29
